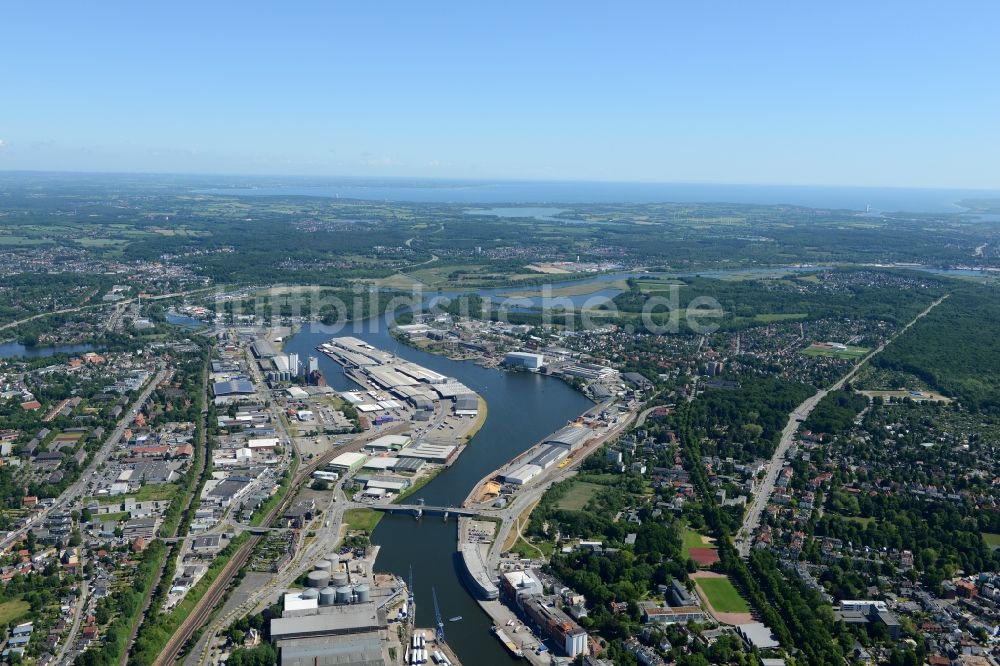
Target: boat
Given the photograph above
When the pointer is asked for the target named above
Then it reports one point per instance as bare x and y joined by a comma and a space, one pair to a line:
455, 619
507, 642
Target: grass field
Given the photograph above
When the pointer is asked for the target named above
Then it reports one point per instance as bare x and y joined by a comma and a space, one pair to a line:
13, 610
531, 550
767, 318
722, 595
849, 353
693, 539
362, 519
577, 496
992, 540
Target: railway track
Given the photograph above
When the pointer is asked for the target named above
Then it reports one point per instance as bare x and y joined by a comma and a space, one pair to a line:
203, 610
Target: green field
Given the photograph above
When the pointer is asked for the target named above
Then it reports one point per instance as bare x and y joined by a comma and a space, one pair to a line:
723, 596
849, 353
992, 540
577, 496
362, 519
767, 318
692, 539
13, 610
532, 549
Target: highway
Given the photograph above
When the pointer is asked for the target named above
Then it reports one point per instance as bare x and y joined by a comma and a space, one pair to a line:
752, 518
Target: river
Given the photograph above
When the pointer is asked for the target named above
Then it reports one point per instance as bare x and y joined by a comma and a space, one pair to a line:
523, 408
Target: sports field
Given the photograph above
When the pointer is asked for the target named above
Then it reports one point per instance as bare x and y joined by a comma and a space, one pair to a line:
694, 539
849, 352
722, 595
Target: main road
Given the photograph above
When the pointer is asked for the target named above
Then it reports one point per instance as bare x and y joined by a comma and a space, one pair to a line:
751, 520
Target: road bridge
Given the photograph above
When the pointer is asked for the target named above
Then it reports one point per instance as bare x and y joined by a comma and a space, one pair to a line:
426, 509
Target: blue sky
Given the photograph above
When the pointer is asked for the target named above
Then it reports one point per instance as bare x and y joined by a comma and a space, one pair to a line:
845, 93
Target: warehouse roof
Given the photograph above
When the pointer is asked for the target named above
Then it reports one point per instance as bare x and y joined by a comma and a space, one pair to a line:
571, 436
232, 387
360, 650
334, 620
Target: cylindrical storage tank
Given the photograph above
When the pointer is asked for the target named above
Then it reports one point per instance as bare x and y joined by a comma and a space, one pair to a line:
338, 579
318, 579
327, 596
323, 565
363, 593
311, 593
343, 595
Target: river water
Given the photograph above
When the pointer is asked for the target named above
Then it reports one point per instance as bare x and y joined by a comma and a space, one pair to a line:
523, 408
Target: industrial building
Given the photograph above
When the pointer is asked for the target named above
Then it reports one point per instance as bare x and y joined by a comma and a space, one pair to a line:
466, 405
549, 455
347, 462
525, 360
432, 453
233, 387
336, 621
570, 437
589, 371
637, 381
389, 443
261, 348
381, 463
522, 474
408, 464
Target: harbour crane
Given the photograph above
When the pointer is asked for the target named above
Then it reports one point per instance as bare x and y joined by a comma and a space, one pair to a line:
437, 616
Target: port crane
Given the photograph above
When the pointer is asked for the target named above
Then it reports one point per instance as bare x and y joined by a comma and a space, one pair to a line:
437, 617
410, 585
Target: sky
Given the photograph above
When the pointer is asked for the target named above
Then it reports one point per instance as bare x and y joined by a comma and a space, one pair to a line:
888, 93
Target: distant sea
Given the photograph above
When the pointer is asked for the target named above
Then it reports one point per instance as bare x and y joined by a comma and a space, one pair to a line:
471, 193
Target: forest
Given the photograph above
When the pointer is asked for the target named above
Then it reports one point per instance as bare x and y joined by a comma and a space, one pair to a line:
954, 348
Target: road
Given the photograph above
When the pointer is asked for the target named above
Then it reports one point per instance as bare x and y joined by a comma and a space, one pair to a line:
751, 520
76, 489
78, 614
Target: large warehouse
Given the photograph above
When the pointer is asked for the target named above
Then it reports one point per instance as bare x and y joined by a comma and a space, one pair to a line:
522, 474
524, 360
570, 437
389, 443
347, 462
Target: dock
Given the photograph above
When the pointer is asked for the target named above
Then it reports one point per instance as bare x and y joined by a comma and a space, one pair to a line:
432, 646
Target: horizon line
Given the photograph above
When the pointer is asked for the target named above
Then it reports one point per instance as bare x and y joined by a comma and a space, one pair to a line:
456, 179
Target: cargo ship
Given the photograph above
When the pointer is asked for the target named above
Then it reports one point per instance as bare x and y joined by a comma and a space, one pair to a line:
507, 642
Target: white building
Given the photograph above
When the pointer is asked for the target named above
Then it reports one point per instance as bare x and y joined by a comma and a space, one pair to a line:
523, 474
525, 360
